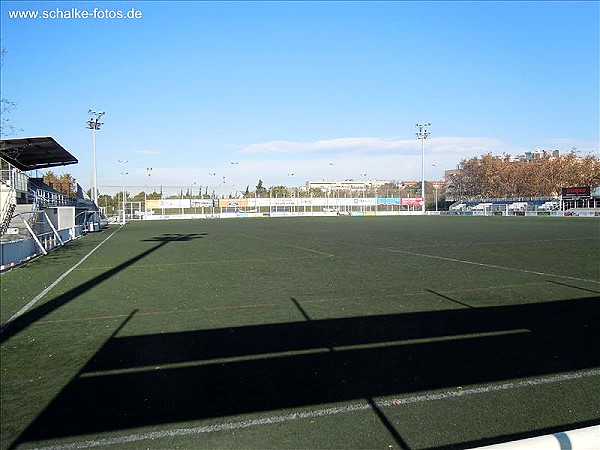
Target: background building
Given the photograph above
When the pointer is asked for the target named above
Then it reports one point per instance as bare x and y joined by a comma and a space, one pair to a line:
347, 185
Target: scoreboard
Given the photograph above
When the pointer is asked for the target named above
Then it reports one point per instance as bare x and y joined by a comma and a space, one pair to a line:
576, 192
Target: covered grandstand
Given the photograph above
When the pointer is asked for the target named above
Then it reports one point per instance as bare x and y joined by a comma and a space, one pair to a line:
34, 217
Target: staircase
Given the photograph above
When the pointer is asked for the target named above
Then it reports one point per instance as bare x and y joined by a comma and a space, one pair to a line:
7, 218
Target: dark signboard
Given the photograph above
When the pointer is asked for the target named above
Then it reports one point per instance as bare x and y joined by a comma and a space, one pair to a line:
579, 191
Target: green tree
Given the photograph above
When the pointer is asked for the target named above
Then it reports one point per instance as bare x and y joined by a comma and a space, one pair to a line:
109, 203
279, 191
153, 196
386, 189
260, 189
139, 197
312, 192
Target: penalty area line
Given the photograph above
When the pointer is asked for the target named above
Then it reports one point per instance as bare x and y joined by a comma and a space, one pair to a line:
363, 406
491, 266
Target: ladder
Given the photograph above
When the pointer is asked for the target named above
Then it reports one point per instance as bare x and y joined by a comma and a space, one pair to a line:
7, 218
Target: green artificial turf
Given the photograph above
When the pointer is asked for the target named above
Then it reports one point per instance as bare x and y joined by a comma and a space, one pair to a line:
188, 324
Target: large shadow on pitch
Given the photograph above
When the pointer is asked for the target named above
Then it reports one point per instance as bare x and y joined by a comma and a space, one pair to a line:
13, 327
136, 381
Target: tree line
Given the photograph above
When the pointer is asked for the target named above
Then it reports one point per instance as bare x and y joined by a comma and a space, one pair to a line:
487, 176
492, 176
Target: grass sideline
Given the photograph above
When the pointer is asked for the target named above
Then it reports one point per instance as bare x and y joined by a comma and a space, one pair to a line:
193, 325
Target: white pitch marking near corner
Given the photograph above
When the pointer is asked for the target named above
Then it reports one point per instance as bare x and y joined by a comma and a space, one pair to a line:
490, 388
491, 266
587, 438
41, 295
271, 420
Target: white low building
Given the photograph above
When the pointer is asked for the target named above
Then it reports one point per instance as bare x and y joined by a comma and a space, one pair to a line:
346, 185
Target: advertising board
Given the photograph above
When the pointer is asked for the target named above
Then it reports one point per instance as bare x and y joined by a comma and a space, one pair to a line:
576, 191
412, 201
387, 201
312, 201
233, 203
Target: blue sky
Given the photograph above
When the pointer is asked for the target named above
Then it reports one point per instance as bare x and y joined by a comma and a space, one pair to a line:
313, 89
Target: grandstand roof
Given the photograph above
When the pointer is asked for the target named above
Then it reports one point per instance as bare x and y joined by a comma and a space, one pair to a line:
35, 153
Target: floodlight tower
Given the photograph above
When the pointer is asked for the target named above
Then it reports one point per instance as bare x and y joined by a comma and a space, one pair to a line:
422, 134
94, 124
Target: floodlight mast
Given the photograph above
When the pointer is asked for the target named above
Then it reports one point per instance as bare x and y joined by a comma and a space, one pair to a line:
123, 161
94, 124
422, 134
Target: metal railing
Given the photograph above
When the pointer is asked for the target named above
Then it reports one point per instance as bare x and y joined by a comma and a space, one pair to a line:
45, 198
15, 179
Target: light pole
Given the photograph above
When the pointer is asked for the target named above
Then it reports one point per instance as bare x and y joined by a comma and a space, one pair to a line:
364, 175
192, 196
124, 175
94, 124
422, 134
148, 172
294, 206
123, 161
212, 174
435, 186
234, 164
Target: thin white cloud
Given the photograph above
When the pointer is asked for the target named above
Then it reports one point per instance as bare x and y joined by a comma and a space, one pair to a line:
374, 145
465, 145
147, 152
325, 145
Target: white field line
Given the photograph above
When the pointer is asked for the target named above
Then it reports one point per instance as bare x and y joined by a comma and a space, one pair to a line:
363, 406
587, 438
491, 266
41, 295
526, 241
